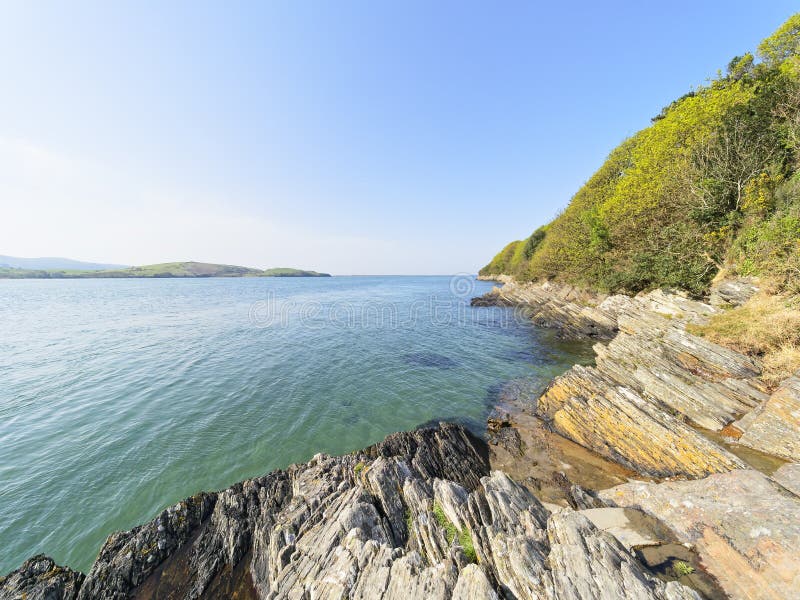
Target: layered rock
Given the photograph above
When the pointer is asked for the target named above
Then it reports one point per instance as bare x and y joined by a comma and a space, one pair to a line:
652, 385
575, 313
418, 515
745, 527
594, 410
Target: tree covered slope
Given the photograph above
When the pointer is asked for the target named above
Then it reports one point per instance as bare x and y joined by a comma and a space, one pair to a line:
712, 183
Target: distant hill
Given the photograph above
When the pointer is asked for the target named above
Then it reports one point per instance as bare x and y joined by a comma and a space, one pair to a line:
54, 264
163, 270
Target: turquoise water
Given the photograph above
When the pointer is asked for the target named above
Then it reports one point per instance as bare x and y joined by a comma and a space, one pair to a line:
119, 397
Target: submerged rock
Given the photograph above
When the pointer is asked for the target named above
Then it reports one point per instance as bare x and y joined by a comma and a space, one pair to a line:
417, 515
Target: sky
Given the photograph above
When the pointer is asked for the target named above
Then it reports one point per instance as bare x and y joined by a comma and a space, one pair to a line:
352, 137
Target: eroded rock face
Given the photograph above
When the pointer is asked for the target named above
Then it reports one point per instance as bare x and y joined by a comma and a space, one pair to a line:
415, 516
744, 526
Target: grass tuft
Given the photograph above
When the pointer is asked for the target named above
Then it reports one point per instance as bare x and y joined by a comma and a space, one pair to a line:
452, 532
682, 568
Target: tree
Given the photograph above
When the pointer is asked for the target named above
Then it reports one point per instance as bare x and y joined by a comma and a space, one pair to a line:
734, 154
783, 44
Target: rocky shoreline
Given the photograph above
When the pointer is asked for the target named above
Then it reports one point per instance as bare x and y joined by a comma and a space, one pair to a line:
713, 453
665, 470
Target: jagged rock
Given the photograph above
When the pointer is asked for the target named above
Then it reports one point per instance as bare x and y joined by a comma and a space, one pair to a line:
578, 548
774, 427
40, 578
405, 518
581, 499
733, 291
708, 384
744, 526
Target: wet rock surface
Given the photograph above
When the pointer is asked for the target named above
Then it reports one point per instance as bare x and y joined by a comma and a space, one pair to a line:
418, 515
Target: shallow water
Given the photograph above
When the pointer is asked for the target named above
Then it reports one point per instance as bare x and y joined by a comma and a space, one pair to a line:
119, 397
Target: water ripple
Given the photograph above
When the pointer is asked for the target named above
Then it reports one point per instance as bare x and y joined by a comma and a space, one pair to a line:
120, 397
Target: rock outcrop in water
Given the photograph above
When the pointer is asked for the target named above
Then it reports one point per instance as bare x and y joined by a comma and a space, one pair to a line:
418, 515
666, 403
652, 386
422, 515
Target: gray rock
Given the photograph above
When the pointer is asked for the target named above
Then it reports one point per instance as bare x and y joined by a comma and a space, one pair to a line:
733, 291
40, 578
789, 477
409, 517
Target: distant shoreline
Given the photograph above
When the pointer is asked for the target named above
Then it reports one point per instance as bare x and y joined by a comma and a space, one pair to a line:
179, 270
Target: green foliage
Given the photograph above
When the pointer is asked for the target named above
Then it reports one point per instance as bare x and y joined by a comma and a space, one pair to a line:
770, 245
782, 45
693, 192
503, 262
453, 533
682, 568
533, 242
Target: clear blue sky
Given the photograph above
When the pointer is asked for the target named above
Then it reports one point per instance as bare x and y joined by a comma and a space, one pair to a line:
351, 137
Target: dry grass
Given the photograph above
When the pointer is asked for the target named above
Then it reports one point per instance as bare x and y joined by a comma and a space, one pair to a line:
766, 326
781, 363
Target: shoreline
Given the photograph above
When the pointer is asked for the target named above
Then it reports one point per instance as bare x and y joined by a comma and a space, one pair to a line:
418, 499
